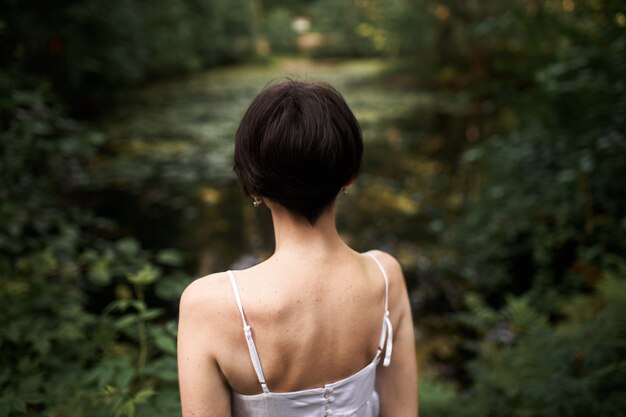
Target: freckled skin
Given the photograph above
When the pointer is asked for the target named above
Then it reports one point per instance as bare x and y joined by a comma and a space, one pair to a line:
315, 308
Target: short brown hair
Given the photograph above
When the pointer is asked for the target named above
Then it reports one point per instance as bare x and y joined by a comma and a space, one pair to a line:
298, 144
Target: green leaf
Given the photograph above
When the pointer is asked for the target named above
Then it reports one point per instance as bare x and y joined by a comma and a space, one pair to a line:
170, 257
99, 273
172, 287
111, 390
120, 305
128, 410
150, 314
165, 343
143, 396
128, 247
126, 321
124, 377
145, 276
164, 369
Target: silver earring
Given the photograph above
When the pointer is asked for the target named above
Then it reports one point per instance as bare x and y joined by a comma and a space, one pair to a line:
257, 201
344, 190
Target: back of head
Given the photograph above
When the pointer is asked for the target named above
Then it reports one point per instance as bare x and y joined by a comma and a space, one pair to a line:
298, 144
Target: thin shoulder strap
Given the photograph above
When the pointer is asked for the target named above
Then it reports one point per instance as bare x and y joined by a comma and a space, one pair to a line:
247, 331
386, 335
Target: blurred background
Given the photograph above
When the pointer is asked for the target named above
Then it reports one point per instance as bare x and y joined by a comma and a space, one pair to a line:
494, 170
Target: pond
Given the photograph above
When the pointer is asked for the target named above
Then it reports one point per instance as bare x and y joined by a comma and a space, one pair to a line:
168, 179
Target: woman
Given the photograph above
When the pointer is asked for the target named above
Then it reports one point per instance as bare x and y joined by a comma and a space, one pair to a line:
326, 330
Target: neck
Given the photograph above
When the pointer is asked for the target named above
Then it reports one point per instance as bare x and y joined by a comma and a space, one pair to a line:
296, 237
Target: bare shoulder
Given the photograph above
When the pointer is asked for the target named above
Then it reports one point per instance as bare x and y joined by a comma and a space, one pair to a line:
397, 284
204, 289
390, 264
205, 299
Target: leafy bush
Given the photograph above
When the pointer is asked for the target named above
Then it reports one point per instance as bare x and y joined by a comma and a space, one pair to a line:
89, 47
527, 367
548, 208
61, 354
439, 398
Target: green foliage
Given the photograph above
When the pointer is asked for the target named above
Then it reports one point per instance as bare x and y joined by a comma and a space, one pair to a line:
538, 240
438, 398
526, 367
59, 356
279, 33
548, 209
347, 26
90, 46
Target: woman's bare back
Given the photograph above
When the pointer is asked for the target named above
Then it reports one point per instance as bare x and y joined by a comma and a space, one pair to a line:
313, 322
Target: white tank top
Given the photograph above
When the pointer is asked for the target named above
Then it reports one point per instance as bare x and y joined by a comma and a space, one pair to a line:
353, 396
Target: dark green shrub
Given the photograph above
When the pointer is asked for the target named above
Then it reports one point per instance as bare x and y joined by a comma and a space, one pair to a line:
89, 47
538, 225
61, 354
527, 367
